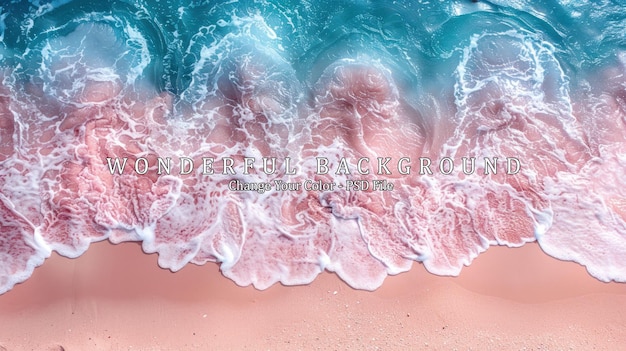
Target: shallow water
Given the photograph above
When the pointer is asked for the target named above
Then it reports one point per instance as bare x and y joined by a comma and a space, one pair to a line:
283, 139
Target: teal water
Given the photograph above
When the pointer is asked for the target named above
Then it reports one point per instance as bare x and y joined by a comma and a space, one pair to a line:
418, 38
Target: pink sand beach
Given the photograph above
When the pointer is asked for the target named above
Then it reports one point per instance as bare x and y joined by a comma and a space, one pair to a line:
116, 298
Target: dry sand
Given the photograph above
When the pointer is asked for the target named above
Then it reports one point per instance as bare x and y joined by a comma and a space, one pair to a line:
116, 298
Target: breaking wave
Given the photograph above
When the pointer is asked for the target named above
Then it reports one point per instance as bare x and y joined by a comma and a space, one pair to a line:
282, 139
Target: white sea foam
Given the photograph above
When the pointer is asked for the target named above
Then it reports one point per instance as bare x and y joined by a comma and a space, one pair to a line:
511, 98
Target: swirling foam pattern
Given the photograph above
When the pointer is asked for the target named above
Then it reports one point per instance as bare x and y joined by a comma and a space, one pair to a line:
85, 84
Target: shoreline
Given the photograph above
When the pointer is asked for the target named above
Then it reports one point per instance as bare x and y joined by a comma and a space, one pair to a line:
115, 297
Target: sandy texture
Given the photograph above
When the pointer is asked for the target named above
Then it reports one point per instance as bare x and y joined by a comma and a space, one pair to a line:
116, 298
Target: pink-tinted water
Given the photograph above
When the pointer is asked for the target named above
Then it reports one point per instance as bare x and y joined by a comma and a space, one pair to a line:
74, 170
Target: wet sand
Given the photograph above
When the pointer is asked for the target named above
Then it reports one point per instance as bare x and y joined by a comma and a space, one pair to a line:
116, 298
